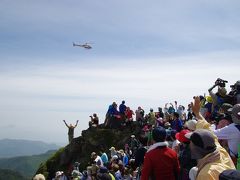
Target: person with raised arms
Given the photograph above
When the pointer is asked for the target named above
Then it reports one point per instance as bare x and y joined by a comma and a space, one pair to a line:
70, 130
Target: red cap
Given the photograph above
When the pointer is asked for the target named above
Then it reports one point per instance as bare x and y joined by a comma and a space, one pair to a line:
181, 136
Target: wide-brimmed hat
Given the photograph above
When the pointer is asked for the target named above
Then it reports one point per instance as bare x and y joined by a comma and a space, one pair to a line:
203, 143
121, 151
226, 106
112, 148
115, 157
167, 124
58, 173
191, 124
39, 177
235, 113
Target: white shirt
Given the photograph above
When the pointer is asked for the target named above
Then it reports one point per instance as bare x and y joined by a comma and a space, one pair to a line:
232, 134
175, 144
213, 127
99, 160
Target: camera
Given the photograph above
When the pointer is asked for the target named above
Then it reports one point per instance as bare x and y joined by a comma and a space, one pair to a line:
220, 82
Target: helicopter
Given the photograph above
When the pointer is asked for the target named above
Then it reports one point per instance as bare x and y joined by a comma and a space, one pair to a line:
86, 45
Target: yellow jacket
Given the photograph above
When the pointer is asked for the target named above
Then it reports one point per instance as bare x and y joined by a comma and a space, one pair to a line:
212, 170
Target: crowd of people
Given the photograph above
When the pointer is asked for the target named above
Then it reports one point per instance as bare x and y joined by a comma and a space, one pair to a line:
200, 142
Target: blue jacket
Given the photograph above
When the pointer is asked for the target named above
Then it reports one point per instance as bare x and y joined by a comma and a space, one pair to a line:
122, 108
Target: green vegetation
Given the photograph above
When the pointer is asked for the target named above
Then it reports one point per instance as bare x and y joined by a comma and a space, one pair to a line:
26, 165
49, 167
6, 174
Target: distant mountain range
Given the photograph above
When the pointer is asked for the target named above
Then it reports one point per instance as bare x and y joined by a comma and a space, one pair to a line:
16, 147
23, 166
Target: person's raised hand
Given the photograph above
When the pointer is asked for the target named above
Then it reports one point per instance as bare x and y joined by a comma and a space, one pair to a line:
196, 105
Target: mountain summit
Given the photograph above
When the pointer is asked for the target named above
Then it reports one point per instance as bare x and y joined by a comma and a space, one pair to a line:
80, 149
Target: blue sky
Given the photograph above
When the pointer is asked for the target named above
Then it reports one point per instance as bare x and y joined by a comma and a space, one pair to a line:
145, 52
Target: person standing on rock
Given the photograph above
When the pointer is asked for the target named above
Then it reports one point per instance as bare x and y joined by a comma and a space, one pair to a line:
70, 130
94, 122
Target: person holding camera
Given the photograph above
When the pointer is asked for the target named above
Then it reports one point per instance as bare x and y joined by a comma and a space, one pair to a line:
234, 94
94, 122
217, 98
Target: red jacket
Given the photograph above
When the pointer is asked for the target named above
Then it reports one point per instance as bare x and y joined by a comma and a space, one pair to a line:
160, 163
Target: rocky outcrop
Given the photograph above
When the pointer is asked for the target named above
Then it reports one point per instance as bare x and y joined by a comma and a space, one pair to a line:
80, 149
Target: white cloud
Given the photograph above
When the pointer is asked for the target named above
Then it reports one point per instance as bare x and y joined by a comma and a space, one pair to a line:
147, 79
